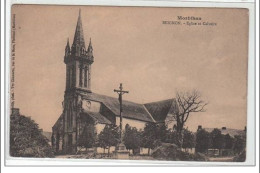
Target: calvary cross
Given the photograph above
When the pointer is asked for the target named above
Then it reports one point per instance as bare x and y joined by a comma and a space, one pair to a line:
120, 93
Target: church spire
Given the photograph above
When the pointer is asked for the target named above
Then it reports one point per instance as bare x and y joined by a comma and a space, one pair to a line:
67, 48
90, 46
78, 42
78, 61
68, 44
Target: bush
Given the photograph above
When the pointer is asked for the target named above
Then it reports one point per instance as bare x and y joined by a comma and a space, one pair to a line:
200, 157
172, 152
26, 139
241, 157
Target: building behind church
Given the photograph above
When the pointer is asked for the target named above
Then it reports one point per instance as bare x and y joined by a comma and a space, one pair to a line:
82, 107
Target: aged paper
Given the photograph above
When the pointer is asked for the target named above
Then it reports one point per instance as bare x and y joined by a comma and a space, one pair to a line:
138, 83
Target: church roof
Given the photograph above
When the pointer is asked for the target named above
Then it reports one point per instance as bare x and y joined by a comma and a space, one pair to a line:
58, 124
159, 110
131, 110
97, 117
150, 112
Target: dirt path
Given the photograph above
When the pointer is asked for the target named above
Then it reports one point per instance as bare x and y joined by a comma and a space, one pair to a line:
221, 159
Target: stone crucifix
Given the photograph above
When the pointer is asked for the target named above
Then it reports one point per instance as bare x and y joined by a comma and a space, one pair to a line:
120, 93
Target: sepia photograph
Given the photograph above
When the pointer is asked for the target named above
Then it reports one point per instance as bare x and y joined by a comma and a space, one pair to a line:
128, 83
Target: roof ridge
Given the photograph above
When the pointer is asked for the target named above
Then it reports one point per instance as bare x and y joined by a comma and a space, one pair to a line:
149, 113
117, 98
160, 101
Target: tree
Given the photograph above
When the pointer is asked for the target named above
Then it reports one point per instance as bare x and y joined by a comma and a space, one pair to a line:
132, 138
217, 139
154, 134
149, 136
173, 138
186, 104
161, 132
108, 137
203, 141
88, 137
188, 139
228, 140
239, 144
26, 139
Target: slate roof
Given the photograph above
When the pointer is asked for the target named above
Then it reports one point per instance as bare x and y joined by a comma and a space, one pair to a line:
159, 110
150, 112
97, 117
131, 110
58, 124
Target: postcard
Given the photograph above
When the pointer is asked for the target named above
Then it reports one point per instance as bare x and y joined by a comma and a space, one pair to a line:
129, 83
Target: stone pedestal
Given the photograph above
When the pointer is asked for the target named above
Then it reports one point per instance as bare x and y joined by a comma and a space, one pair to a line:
121, 152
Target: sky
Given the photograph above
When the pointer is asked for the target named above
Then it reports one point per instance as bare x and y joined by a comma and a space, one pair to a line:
133, 47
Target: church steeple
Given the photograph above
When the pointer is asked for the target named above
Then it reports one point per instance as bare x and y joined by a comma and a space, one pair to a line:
78, 61
78, 46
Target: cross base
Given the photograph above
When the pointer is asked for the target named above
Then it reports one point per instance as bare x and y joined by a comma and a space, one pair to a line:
121, 152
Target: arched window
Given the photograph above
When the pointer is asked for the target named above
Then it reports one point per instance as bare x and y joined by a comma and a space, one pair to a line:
71, 77
68, 116
80, 75
86, 76
71, 117
69, 120
89, 76
67, 78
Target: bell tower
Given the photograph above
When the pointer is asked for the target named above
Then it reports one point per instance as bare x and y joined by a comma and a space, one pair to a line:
78, 62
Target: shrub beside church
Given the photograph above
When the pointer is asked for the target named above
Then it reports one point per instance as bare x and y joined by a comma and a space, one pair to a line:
26, 139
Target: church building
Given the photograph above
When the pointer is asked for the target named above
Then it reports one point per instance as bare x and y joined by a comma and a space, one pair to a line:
82, 107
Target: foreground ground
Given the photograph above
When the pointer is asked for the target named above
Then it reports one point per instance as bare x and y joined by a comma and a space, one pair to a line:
102, 156
221, 159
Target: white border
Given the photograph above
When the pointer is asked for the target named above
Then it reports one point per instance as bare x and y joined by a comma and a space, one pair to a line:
76, 162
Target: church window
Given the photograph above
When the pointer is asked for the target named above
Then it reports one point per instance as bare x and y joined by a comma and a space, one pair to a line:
80, 75
86, 77
67, 78
89, 76
69, 116
73, 76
